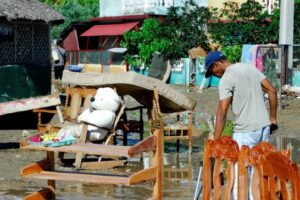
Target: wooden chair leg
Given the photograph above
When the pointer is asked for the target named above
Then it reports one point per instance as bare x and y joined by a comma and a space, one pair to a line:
158, 161
44, 194
177, 146
79, 156
50, 157
190, 146
125, 138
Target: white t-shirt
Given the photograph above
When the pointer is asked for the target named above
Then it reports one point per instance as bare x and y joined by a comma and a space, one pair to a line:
242, 82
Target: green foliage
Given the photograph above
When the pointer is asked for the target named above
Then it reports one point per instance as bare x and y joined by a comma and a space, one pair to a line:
72, 10
143, 43
245, 25
228, 129
186, 28
183, 29
232, 53
249, 10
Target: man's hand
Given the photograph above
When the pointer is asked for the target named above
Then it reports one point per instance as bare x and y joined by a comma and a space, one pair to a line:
273, 128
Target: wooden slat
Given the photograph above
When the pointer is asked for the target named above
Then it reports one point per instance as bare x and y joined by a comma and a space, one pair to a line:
102, 164
176, 137
143, 175
29, 104
36, 167
146, 145
86, 148
175, 128
80, 177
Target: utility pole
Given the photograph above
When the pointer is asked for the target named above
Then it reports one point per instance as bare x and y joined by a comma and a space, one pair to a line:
286, 36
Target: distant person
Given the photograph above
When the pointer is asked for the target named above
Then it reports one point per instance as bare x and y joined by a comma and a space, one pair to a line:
242, 87
59, 58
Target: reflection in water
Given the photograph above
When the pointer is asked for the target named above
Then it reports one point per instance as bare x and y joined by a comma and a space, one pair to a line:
180, 170
180, 177
283, 142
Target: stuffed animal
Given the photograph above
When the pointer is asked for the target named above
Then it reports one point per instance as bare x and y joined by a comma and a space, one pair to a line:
101, 114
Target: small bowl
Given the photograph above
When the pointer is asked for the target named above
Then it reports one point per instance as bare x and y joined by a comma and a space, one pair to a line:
75, 68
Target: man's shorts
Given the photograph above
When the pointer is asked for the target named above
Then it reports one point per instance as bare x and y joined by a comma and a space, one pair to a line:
58, 71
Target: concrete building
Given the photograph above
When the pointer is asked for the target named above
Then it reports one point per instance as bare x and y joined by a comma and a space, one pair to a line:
109, 8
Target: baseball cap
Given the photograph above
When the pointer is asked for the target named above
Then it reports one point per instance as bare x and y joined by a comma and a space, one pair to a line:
210, 59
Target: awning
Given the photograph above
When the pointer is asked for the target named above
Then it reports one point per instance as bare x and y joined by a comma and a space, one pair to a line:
109, 29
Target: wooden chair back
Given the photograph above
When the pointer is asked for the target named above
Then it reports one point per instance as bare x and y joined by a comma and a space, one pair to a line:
221, 149
108, 140
78, 99
158, 157
119, 113
243, 167
154, 113
256, 154
180, 130
279, 177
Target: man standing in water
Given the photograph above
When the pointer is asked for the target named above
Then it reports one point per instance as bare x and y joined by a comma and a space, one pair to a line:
242, 87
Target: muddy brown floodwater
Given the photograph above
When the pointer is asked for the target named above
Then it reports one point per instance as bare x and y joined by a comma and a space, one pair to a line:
181, 169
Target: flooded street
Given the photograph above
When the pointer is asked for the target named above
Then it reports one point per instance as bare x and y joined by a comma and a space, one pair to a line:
181, 169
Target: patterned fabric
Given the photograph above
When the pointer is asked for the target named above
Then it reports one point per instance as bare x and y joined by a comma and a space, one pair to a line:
251, 54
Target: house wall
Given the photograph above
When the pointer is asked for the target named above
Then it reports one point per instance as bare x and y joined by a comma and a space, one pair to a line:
25, 65
27, 43
268, 5
219, 3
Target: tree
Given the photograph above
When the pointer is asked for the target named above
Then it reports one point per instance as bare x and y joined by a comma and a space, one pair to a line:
183, 29
72, 10
248, 24
143, 43
186, 28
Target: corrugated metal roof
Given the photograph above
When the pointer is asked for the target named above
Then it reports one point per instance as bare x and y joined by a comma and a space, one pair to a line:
109, 29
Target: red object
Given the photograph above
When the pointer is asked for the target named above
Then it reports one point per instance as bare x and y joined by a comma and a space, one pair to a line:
71, 42
35, 138
109, 29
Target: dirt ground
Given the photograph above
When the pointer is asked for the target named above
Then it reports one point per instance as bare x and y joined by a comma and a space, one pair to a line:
12, 186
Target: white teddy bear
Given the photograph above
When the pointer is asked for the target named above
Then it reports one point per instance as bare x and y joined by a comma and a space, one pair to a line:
101, 114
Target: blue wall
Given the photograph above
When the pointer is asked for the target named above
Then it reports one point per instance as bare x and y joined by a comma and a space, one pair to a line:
296, 78
183, 77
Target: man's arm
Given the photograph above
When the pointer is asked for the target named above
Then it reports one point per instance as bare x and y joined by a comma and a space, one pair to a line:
221, 116
272, 95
